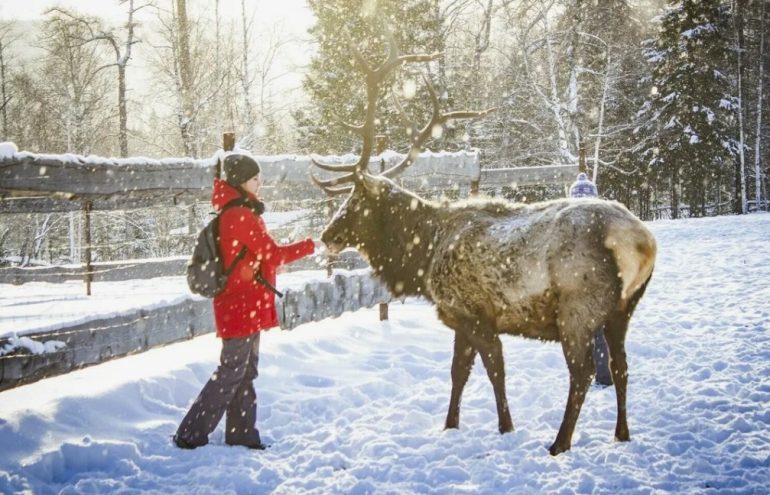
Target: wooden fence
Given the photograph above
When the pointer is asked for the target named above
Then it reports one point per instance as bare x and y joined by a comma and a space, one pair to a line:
99, 340
31, 183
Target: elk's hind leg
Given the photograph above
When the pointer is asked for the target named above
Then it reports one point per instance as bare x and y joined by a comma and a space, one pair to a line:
615, 332
491, 350
577, 345
462, 362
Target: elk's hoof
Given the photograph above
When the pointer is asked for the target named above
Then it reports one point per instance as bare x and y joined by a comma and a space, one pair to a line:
505, 429
557, 449
621, 434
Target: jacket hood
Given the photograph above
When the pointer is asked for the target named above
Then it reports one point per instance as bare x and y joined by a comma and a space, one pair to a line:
224, 193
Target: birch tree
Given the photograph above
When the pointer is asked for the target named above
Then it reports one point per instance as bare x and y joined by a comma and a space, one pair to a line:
122, 49
189, 89
758, 134
739, 7
75, 84
7, 39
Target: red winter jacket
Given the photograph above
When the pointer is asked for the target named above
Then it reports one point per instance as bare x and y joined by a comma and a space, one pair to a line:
245, 306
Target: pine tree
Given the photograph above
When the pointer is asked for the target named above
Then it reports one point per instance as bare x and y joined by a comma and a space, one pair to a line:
335, 84
688, 135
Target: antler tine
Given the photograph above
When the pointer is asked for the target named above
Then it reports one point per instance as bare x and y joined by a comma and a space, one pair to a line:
336, 191
399, 107
338, 167
329, 184
394, 60
437, 118
358, 129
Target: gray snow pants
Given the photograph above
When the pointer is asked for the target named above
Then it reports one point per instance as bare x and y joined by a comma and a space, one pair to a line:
230, 391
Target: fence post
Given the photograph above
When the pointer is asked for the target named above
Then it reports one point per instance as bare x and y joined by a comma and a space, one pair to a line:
87, 206
475, 183
330, 258
228, 143
381, 143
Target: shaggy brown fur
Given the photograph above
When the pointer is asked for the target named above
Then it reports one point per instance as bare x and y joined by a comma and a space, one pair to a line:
554, 271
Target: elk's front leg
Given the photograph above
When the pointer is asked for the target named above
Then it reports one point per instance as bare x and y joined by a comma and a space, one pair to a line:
462, 362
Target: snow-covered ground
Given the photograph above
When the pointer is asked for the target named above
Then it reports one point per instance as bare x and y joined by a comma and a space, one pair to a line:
354, 405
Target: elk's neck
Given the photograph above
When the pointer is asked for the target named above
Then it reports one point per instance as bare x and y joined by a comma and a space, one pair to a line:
402, 254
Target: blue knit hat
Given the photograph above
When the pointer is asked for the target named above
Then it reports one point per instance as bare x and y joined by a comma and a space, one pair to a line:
583, 188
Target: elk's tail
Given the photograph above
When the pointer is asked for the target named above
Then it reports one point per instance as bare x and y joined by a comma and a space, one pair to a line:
634, 248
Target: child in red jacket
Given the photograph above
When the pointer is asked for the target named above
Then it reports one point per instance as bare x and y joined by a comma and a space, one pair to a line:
243, 309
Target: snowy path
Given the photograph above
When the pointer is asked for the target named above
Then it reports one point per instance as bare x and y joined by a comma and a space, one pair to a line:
356, 406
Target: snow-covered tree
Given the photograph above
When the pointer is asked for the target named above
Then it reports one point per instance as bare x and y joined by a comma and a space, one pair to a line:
8, 37
687, 136
336, 86
75, 88
122, 46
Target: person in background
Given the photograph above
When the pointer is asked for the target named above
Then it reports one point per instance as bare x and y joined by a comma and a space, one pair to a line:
245, 307
582, 187
585, 188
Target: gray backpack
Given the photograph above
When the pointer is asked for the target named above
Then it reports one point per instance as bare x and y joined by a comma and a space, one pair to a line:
206, 273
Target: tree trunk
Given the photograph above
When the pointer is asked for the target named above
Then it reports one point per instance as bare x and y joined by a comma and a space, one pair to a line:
600, 128
758, 139
675, 192
741, 164
74, 232
3, 89
122, 114
185, 76
245, 78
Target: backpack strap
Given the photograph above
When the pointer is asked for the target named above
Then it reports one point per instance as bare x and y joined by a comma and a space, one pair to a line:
238, 257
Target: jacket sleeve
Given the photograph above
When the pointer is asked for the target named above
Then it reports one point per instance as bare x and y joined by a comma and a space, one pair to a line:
259, 242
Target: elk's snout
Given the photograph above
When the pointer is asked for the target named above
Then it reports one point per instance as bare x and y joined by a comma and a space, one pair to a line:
334, 241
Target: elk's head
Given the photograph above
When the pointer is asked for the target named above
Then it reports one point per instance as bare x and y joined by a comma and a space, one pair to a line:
358, 221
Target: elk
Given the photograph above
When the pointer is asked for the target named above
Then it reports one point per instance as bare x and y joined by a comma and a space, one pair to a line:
554, 271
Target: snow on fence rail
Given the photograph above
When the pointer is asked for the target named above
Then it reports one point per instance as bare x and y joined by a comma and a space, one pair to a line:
39, 355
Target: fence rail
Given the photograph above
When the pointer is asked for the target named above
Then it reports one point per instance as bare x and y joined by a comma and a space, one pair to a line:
100, 340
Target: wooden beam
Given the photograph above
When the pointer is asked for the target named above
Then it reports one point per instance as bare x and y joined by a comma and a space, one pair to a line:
528, 176
47, 183
37, 202
83, 176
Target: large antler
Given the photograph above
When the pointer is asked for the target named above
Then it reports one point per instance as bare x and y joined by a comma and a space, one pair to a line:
354, 172
437, 119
